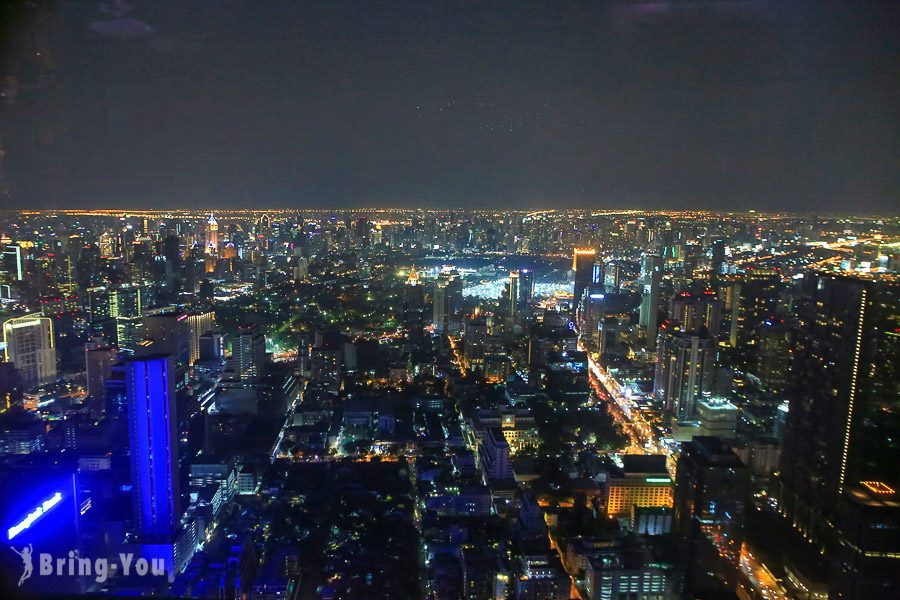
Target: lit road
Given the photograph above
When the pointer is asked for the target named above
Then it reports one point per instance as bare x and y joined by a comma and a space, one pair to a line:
641, 438
762, 583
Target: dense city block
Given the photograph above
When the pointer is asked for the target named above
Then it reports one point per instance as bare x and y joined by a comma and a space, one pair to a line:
523, 405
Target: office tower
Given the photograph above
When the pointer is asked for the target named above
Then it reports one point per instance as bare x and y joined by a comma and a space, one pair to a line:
74, 246
125, 300
107, 244
12, 261
512, 293
774, 354
413, 305
583, 265
447, 302
263, 231
198, 324
153, 446
598, 273
212, 347
717, 256
126, 307
651, 272
170, 333
212, 235
249, 353
749, 299
31, 348
589, 314
712, 489
98, 304
98, 360
684, 368
612, 276
864, 554
526, 288
171, 250
300, 269
841, 425
697, 312
440, 301
475, 338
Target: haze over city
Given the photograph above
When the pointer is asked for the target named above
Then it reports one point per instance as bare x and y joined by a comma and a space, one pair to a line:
449, 301
655, 105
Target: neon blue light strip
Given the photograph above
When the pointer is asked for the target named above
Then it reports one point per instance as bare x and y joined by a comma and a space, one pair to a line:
34, 515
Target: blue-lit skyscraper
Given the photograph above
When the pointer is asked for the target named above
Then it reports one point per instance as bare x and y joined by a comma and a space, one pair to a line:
153, 443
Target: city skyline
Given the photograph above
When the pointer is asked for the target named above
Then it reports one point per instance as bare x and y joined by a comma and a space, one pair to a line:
438, 405
442, 300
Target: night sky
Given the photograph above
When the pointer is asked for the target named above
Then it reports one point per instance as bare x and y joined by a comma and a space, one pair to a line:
783, 105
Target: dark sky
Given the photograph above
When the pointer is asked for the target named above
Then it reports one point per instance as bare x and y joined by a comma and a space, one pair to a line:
713, 105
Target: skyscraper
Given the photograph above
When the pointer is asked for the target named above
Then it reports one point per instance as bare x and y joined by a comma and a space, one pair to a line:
126, 307
841, 426
749, 298
717, 256
773, 358
583, 265
526, 287
684, 368
413, 305
212, 235
512, 289
651, 272
12, 262
98, 361
697, 312
447, 302
153, 446
249, 353
712, 489
31, 348
199, 323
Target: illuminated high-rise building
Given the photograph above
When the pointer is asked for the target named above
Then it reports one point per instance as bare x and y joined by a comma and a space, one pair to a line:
30, 346
612, 276
126, 306
447, 302
126, 301
414, 305
212, 235
583, 266
774, 355
749, 298
717, 256
840, 424
589, 314
199, 323
512, 293
685, 368
12, 262
697, 312
526, 287
642, 482
153, 446
249, 353
651, 273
